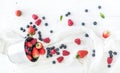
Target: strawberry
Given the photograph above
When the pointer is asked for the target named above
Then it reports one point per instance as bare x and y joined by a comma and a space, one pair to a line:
70, 22
109, 60
18, 13
28, 44
38, 22
34, 16
77, 41
53, 51
106, 34
46, 40
60, 59
31, 30
82, 53
29, 57
39, 45
42, 51
35, 53
65, 53
34, 41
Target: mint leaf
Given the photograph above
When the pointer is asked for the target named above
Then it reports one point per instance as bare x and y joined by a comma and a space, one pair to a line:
61, 17
102, 15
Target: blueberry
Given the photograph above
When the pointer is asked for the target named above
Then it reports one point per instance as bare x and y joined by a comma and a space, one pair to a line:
34, 26
68, 13
47, 56
111, 55
47, 48
27, 26
31, 23
39, 32
24, 30
21, 28
51, 31
99, 7
94, 51
40, 38
57, 49
115, 53
36, 29
50, 55
46, 24
86, 35
58, 53
53, 62
83, 24
110, 52
43, 17
86, 10
94, 23
65, 46
93, 55
29, 49
53, 47
109, 66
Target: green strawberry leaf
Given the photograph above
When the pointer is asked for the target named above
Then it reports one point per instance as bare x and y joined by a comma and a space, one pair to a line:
102, 15
61, 17
77, 56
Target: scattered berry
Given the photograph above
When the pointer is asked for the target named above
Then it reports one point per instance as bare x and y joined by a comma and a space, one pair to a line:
31, 30
53, 51
31, 23
46, 40
83, 24
86, 10
94, 23
18, 13
109, 60
38, 22
51, 31
106, 34
82, 53
93, 55
115, 53
46, 24
60, 59
86, 35
34, 16
54, 62
70, 22
99, 7
43, 17
109, 66
77, 41
65, 53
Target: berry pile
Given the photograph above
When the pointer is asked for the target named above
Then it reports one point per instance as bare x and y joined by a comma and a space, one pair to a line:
33, 49
60, 52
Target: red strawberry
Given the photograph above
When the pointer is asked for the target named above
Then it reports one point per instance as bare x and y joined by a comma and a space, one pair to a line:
46, 40
42, 51
65, 53
35, 53
38, 22
18, 13
70, 22
53, 51
29, 44
34, 16
109, 60
82, 53
77, 41
60, 59
29, 57
31, 30
106, 34
34, 41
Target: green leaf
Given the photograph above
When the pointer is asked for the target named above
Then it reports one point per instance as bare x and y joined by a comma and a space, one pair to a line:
102, 15
77, 56
61, 17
